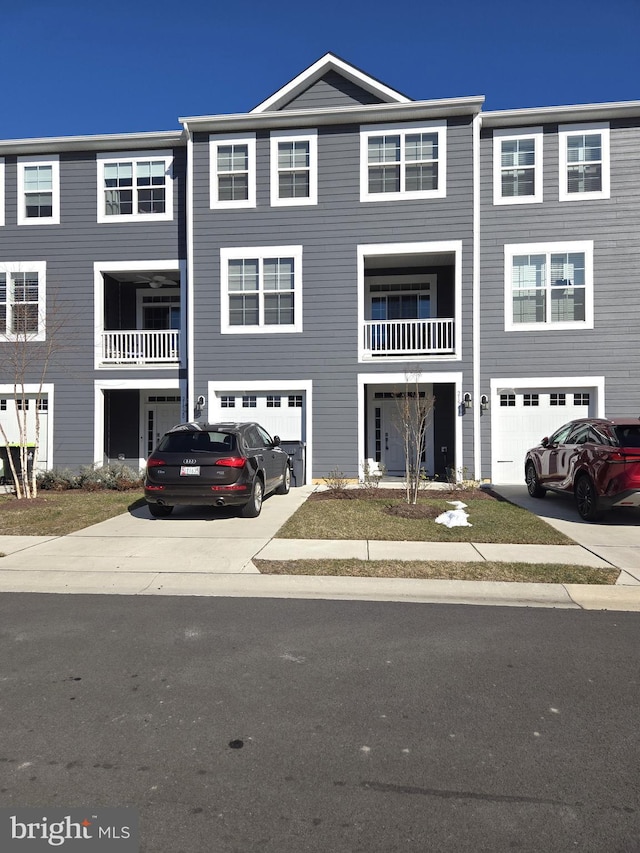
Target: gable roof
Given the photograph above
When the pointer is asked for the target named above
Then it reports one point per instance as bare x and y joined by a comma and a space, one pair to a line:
330, 62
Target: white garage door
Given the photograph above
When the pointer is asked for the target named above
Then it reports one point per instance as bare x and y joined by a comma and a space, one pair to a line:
521, 417
280, 413
35, 408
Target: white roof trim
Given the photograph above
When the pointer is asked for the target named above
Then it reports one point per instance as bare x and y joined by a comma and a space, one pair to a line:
571, 112
329, 62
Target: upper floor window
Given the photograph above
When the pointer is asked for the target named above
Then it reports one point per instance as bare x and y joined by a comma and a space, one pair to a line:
39, 190
22, 300
517, 166
233, 170
135, 187
584, 161
403, 161
550, 285
261, 289
294, 167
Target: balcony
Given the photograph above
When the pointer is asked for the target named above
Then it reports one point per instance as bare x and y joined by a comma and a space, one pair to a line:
141, 347
409, 337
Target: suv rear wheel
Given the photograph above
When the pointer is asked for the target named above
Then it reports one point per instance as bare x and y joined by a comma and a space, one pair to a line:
587, 499
533, 485
253, 507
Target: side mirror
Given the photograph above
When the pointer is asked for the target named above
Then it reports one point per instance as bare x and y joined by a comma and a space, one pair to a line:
276, 441
545, 441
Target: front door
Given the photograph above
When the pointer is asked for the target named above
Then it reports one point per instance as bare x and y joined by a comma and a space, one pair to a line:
160, 415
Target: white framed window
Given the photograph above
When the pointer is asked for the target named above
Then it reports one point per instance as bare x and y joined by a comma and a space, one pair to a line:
39, 190
549, 285
294, 167
261, 289
22, 300
135, 187
584, 161
517, 166
232, 173
1, 191
403, 161
249, 401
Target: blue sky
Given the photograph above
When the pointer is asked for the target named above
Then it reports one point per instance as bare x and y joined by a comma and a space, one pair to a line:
74, 67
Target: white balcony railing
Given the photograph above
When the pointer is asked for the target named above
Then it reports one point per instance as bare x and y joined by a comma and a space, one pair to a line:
408, 337
139, 347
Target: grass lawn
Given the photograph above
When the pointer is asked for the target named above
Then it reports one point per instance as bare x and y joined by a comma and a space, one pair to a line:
441, 570
378, 514
59, 513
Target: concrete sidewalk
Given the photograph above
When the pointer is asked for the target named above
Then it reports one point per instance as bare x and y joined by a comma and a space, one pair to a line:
196, 552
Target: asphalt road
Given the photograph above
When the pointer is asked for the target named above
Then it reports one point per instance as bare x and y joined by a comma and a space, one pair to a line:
287, 726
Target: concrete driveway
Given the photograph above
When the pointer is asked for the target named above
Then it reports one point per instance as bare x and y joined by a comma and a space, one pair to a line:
616, 538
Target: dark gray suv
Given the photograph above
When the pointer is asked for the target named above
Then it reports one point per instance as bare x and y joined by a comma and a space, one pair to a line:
225, 464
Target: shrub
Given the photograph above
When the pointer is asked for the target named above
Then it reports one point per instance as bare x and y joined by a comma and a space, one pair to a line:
91, 479
57, 480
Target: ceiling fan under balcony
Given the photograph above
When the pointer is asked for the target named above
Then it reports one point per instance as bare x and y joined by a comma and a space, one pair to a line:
157, 281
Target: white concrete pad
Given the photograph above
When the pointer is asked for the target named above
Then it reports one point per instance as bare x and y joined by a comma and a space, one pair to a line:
11, 544
605, 597
313, 549
453, 551
627, 579
621, 556
62, 582
573, 555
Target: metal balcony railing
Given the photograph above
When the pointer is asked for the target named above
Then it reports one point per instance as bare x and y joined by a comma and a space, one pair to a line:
409, 337
141, 347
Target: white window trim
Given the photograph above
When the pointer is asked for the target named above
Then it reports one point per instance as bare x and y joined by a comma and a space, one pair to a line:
508, 135
365, 251
39, 267
1, 191
513, 249
310, 136
261, 253
52, 160
135, 156
566, 130
248, 139
440, 127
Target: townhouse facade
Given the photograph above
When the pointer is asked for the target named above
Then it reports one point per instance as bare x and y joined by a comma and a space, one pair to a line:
309, 262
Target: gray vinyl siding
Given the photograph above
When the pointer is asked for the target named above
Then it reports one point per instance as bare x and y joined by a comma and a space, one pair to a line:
331, 90
329, 233
614, 226
70, 250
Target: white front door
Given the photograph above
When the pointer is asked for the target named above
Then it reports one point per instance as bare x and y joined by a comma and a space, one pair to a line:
386, 439
159, 416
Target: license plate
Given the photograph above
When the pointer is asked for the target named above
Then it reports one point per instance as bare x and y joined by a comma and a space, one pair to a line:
190, 471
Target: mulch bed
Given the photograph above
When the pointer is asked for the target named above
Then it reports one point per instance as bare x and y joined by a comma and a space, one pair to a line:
398, 495
15, 504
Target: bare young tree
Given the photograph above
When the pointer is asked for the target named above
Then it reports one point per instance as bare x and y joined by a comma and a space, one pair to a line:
414, 411
25, 360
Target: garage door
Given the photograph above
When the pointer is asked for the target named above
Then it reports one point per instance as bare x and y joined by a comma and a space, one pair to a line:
35, 408
521, 417
280, 413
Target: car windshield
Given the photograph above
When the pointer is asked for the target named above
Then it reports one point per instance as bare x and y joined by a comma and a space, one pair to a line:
198, 442
628, 436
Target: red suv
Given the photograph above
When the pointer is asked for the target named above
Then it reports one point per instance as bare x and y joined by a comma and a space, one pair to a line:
596, 460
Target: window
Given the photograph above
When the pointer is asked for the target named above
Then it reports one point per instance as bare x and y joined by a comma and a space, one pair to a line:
22, 404
530, 400
294, 167
558, 399
549, 285
135, 187
517, 166
580, 399
249, 401
22, 300
261, 289
273, 401
233, 171
403, 161
3, 404
227, 402
507, 399
584, 161
38, 191
295, 401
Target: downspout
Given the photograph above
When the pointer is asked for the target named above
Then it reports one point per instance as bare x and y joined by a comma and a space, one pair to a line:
187, 393
477, 443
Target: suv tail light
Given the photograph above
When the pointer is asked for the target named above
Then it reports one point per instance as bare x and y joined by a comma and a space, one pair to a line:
624, 455
232, 462
155, 463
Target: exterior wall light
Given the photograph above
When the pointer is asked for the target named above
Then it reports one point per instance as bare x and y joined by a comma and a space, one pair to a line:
484, 403
467, 402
